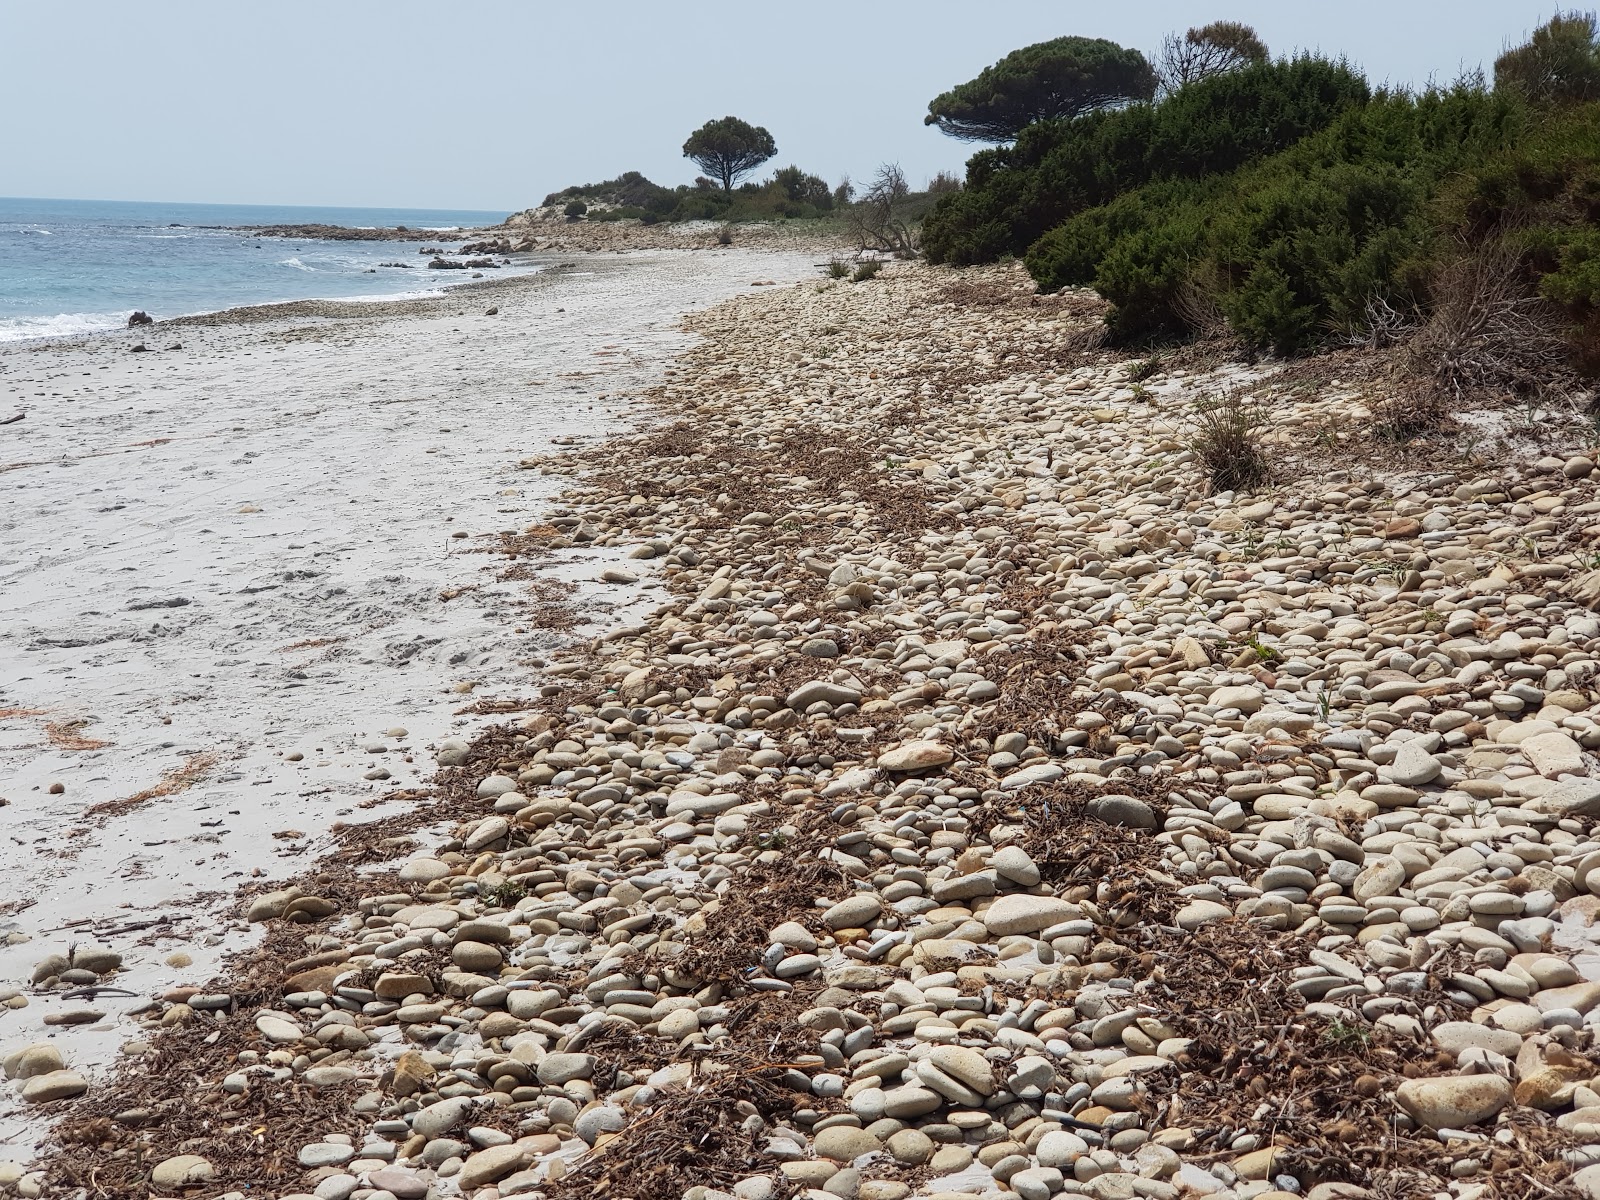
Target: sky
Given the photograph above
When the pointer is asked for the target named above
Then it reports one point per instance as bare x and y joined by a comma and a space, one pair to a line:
491, 104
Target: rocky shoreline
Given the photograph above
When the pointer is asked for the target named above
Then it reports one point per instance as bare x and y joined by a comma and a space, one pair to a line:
988, 810
354, 233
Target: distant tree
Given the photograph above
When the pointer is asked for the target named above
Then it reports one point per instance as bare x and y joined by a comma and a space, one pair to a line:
1062, 78
729, 149
574, 209
802, 188
1561, 61
944, 181
844, 193
1213, 49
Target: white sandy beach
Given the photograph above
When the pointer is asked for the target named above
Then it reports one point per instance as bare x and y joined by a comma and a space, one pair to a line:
224, 566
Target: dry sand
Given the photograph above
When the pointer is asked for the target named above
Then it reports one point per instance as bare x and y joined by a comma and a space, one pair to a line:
223, 571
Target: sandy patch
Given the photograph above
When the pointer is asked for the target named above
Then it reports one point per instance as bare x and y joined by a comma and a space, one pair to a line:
245, 584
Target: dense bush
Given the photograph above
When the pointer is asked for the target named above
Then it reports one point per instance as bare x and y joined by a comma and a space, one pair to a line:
1065, 77
1057, 169
628, 190
1285, 203
790, 193
1303, 243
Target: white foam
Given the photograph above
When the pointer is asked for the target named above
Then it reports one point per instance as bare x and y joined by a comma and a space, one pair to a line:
21, 329
295, 263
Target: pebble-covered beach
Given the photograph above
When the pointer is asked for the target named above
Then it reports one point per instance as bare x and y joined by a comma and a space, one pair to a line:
988, 809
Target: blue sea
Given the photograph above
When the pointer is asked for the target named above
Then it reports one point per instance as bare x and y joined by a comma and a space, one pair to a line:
70, 267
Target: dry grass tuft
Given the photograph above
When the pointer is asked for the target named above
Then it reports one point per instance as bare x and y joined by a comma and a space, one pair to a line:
1489, 329
1227, 440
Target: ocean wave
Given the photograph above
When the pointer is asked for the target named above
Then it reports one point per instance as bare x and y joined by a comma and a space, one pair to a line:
21, 329
295, 263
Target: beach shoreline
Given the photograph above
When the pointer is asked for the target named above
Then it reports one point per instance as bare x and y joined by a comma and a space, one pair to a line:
230, 568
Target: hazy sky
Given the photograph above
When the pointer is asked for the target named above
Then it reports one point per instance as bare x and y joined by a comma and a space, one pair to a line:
490, 104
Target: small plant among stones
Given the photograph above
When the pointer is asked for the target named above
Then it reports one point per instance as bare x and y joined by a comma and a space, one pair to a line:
503, 895
1342, 1036
837, 268
1264, 653
867, 269
1227, 441
1145, 368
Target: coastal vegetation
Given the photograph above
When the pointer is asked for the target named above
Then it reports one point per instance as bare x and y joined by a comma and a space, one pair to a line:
729, 149
1059, 79
1292, 205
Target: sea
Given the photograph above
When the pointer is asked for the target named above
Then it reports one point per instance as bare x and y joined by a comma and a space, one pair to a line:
71, 267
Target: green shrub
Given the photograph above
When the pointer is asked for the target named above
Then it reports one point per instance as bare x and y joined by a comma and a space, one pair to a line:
1559, 63
574, 209
837, 268
1057, 169
1299, 245
867, 268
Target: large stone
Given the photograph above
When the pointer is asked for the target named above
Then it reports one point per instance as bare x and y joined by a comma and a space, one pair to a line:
1012, 863
1245, 698
593, 1123
99, 959
1020, 913
278, 1029
845, 1144
905, 1102
1200, 912
564, 1067
853, 912
910, 1146
1553, 754
916, 756
37, 1058
486, 833
1580, 798
1125, 811
965, 1066
53, 1085
271, 904
1453, 1037
1580, 997
326, 1154
1382, 877
1454, 1101
796, 936
489, 1166
181, 1171
1413, 766
397, 985
401, 1184
476, 956
835, 694
1060, 1148
441, 1116
424, 870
